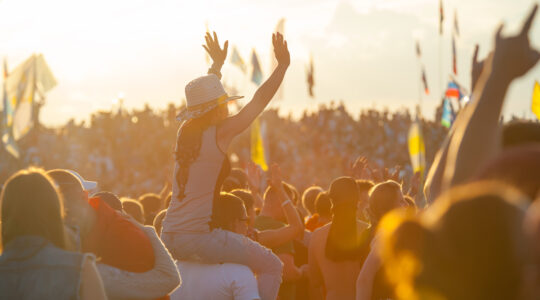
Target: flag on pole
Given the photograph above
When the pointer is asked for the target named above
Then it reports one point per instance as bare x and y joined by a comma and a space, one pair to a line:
7, 135
535, 106
447, 118
441, 17
456, 26
417, 149
453, 90
310, 80
454, 55
424, 80
257, 146
33, 77
256, 75
237, 60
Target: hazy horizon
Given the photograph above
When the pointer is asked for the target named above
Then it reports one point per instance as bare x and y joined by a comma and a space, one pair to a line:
148, 50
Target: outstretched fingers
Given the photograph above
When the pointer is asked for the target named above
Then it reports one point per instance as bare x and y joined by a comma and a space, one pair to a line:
528, 21
475, 55
215, 38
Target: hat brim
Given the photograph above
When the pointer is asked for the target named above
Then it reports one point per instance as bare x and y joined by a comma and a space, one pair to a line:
186, 114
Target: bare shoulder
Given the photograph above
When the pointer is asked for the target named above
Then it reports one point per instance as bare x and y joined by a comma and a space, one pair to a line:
320, 234
321, 231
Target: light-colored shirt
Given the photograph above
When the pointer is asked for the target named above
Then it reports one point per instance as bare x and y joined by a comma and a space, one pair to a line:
194, 212
215, 282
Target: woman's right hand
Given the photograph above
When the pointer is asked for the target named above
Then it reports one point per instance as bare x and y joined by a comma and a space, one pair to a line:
281, 50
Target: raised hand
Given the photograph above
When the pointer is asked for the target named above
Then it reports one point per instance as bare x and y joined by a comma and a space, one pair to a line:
280, 49
254, 177
514, 56
275, 176
414, 185
217, 54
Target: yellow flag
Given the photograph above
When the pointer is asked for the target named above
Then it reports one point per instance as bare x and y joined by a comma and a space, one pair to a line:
417, 149
257, 148
536, 100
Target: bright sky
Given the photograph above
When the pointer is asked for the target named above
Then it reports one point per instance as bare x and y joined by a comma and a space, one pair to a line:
148, 50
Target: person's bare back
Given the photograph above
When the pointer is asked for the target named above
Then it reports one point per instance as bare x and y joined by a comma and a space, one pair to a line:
336, 279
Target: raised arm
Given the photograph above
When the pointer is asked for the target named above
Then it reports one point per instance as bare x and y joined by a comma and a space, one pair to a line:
275, 237
477, 138
217, 54
433, 185
234, 125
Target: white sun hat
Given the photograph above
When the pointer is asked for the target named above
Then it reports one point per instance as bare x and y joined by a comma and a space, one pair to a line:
87, 185
202, 95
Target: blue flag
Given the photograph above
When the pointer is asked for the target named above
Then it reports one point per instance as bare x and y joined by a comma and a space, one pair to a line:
256, 75
447, 114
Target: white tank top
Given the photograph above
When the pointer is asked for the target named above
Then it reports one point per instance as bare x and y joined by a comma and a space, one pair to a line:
194, 212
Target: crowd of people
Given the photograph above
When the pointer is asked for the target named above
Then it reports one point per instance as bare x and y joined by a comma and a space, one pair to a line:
131, 151
338, 215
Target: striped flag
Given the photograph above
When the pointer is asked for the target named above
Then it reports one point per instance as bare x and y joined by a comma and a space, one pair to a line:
237, 60
453, 91
417, 149
256, 75
535, 106
257, 145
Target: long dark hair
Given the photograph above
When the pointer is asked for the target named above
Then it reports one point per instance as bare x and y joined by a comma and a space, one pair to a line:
343, 242
189, 142
31, 205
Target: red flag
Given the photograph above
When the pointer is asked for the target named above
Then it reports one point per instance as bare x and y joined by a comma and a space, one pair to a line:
310, 80
424, 80
441, 19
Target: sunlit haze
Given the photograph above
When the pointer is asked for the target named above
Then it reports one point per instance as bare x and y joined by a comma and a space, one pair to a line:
148, 50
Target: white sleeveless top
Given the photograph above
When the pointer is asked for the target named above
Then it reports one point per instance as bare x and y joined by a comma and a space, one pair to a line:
194, 212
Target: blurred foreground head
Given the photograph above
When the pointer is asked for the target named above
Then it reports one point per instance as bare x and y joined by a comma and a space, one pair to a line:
469, 245
31, 205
